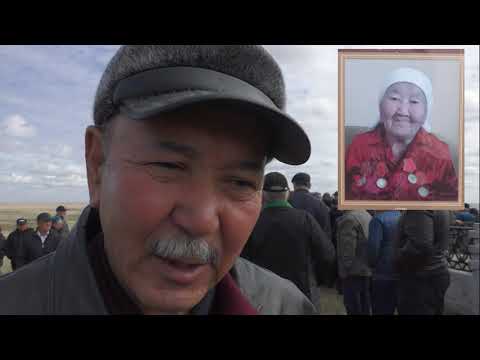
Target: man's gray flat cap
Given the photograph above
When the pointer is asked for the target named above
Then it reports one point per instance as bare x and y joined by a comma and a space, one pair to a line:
143, 81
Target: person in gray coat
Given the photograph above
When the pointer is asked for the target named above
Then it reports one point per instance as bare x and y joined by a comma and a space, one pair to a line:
58, 226
175, 163
352, 258
64, 230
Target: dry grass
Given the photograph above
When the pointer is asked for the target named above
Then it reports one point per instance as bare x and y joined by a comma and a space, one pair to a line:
328, 301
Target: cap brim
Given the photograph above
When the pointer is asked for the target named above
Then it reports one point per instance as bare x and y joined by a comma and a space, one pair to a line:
290, 142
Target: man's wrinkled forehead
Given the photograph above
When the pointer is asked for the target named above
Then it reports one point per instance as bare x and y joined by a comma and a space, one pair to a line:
164, 132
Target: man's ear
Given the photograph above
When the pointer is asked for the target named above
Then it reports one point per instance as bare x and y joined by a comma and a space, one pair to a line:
95, 158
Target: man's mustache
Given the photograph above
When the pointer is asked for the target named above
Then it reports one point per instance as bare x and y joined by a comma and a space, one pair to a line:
182, 246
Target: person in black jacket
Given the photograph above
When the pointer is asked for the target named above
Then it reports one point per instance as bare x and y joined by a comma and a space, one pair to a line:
41, 242
419, 258
14, 244
287, 241
301, 198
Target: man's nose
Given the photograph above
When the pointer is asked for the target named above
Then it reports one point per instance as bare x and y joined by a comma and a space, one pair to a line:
197, 213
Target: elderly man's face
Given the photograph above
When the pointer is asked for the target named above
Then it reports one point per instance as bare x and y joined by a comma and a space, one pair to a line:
194, 176
403, 110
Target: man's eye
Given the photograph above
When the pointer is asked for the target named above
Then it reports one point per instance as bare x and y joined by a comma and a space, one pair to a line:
393, 98
245, 184
413, 101
167, 165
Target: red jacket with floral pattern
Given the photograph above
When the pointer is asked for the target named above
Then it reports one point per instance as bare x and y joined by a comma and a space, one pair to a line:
425, 172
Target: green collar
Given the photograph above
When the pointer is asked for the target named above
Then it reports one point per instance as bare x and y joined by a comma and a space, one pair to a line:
277, 203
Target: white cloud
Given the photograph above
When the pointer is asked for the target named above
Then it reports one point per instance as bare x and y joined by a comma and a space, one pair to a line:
16, 125
16, 179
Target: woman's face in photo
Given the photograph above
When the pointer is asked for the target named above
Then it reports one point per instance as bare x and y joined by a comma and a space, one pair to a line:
403, 110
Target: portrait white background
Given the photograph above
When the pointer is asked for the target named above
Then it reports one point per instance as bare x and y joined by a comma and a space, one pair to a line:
363, 83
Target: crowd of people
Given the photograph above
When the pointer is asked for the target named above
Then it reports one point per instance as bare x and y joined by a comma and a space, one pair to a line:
382, 262
25, 244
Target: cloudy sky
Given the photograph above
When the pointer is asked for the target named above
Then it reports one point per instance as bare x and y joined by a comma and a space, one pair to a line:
46, 96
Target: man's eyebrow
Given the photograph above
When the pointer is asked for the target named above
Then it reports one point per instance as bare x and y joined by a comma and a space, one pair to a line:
172, 146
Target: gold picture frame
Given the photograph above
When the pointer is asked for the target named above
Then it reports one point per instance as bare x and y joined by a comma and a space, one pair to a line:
442, 62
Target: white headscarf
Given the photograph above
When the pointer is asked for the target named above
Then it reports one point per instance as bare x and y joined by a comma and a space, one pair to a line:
415, 77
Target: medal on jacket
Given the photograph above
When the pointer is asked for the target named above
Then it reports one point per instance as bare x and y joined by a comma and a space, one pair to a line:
423, 191
381, 183
380, 172
410, 167
412, 178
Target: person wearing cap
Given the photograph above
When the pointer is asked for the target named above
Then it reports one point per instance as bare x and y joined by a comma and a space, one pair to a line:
175, 163
288, 241
62, 213
400, 159
57, 227
40, 242
14, 244
302, 198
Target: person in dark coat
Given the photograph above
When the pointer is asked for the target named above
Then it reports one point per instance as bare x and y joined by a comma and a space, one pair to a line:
2, 248
15, 240
41, 242
287, 241
335, 214
420, 260
301, 198
327, 200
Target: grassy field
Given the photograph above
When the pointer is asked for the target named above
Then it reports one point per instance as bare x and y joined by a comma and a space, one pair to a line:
327, 301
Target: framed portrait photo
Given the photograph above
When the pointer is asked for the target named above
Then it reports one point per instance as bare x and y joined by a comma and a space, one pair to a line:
401, 129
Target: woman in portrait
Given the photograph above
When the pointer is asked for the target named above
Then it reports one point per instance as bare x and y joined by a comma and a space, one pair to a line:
400, 159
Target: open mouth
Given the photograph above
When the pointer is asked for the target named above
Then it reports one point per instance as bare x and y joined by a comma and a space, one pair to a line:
184, 263
183, 271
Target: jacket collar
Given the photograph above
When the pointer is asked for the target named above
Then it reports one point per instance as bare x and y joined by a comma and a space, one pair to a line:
277, 204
